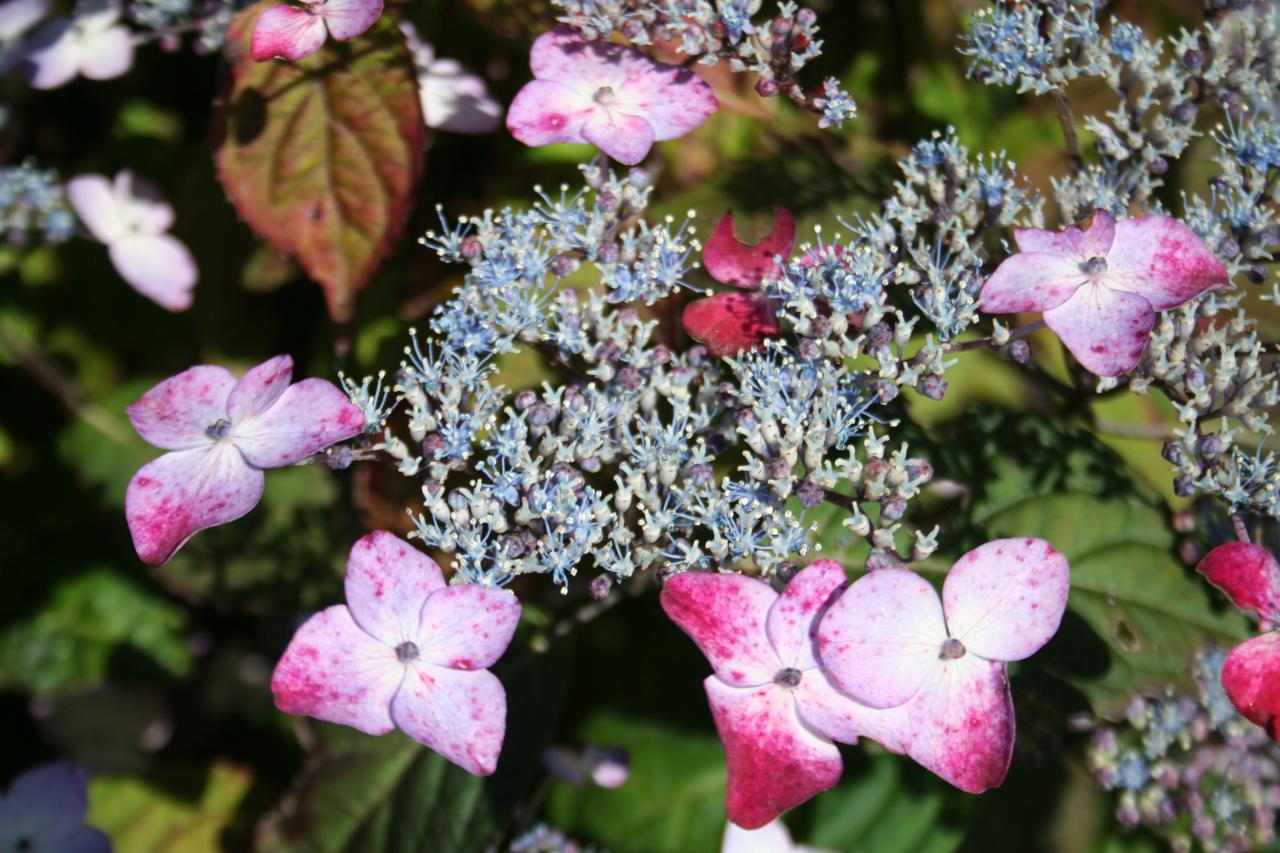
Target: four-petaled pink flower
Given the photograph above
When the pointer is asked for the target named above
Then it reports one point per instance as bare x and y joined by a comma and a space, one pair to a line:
776, 711
1100, 288
131, 217
611, 96
729, 323
1250, 576
44, 809
890, 643
294, 32
406, 651
223, 433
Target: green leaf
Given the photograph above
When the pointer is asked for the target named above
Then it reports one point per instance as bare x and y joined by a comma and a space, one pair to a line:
102, 445
321, 156
142, 816
673, 800
78, 637
1149, 610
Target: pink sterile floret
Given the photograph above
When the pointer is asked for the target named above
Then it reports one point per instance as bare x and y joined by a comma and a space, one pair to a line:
890, 643
1251, 678
405, 651
222, 433
728, 323
1250, 577
44, 809
610, 96
1100, 289
777, 713
293, 32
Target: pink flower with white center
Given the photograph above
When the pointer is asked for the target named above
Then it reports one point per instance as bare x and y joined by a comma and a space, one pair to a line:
890, 643
133, 220
293, 32
405, 651
93, 43
776, 711
1100, 288
222, 434
44, 809
1250, 576
729, 323
773, 837
452, 98
610, 96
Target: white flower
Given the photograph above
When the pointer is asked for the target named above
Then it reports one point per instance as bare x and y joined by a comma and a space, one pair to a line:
452, 97
16, 17
93, 43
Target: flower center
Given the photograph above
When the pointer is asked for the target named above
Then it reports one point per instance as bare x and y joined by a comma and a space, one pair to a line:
407, 651
1094, 266
219, 429
604, 96
952, 649
789, 677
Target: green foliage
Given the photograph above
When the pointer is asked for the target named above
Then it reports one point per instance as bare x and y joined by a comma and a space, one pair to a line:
87, 629
321, 156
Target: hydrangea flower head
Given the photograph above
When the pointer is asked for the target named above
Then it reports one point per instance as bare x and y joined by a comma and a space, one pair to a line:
92, 43
890, 643
44, 809
133, 220
1100, 288
608, 95
406, 651
222, 434
293, 32
776, 711
728, 323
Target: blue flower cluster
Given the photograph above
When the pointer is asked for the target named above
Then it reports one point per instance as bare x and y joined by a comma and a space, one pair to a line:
33, 206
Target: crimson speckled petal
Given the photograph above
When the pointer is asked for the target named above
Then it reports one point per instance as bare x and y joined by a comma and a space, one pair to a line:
177, 413
730, 323
308, 417
1248, 574
467, 626
287, 32
725, 615
730, 261
461, 715
1162, 260
1251, 678
792, 622
1105, 329
387, 583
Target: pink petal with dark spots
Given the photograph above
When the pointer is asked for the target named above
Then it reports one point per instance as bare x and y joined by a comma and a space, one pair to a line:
625, 138
308, 417
1106, 330
1072, 242
260, 388
177, 413
388, 581
545, 112
793, 619
729, 323
882, 639
832, 714
467, 626
347, 19
774, 761
1005, 599
172, 498
1031, 281
287, 32
962, 724
725, 615
1248, 574
334, 671
1251, 677
730, 261
461, 715
1162, 260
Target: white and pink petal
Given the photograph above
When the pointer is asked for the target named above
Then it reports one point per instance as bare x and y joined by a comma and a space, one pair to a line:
287, 32
1031, 281
832, 714
461, 715
467, 626
177, 414
387, 583
1072, 242
626, 138
546, 112
1106, 330
307, 417
347, 19
96, 203
725, 614
106, 54
159, 267
259, 388
1162, 260
792, 623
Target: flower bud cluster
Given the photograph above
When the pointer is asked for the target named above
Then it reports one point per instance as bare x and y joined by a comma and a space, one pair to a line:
776, 48
1191, 769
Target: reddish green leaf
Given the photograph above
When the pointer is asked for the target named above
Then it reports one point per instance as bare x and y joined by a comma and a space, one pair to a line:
321, 156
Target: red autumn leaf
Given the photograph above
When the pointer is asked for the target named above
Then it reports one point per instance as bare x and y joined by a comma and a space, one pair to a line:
321, 156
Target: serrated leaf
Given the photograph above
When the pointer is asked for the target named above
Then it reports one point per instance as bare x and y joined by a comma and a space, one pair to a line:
72, 642
321, 156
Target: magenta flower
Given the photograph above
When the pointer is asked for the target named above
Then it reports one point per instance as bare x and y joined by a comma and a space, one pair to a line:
1250, 576
890, 643
1100, 289
611, 96
729, 323
294, 32
406, 651
131, 217
44, 809
776, 711
223, 433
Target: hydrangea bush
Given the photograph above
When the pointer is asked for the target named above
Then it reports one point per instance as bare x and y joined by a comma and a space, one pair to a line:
925, 469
